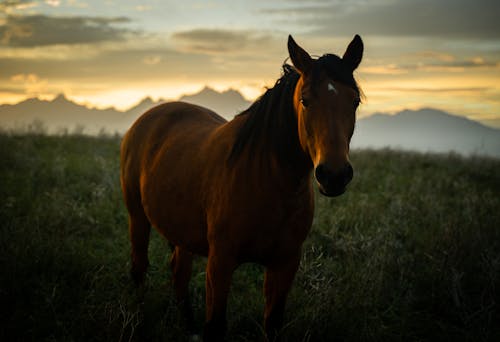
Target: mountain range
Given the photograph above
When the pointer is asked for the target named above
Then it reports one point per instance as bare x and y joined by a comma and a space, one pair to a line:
427, 130
424, 130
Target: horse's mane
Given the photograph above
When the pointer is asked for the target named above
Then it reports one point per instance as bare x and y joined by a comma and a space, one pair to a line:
271, 120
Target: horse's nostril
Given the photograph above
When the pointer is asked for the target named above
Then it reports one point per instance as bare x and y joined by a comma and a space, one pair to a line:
321, 173
328, 178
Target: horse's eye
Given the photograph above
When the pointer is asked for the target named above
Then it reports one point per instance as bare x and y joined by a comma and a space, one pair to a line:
304, 102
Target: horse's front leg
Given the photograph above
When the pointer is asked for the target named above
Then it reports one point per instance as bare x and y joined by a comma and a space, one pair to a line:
277, 283
219, 270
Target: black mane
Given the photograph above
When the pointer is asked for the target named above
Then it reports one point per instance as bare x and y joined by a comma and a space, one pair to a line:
271, 120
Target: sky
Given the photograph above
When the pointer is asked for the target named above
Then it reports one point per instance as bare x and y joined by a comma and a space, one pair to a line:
418, 53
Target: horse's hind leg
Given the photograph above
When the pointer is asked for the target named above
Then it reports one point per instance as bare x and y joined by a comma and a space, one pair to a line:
181, 263
139, 230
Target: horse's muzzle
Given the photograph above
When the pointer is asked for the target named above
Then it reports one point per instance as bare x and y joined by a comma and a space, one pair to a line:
333, 183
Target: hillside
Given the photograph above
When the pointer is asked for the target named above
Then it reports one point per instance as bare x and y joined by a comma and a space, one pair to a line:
61, 115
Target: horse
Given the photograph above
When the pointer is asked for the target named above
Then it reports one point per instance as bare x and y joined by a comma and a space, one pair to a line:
242, 190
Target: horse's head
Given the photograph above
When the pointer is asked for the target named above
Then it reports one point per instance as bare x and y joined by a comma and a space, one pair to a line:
325, 100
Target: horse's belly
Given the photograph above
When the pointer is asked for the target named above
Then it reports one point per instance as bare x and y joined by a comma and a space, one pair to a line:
189, 235
172, 204
179, 222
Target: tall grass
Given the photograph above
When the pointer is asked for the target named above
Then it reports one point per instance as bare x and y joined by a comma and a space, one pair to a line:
410, 252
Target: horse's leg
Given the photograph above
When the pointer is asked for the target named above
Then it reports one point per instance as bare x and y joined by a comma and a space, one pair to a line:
139, 230
218, 279
182, 265
277, 283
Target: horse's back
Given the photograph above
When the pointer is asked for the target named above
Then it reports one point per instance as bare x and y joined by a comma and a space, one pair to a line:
168, 120
164, 124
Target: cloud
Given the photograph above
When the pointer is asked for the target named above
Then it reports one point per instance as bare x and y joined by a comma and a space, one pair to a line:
459, 66
389, 69
152, 60
32, 83
425, 18
438, 63
110, 65
131, 65
9, 5
143, 8
478, 90
440, 56
190, 55
217, 41
42, 30
77, 4
53, 3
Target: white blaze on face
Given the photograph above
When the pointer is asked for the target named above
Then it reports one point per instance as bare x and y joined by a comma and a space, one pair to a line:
331, 87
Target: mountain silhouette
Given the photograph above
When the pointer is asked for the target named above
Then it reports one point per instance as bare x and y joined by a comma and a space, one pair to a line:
59, 115
62, 115
228, 103
144, 105
425, 130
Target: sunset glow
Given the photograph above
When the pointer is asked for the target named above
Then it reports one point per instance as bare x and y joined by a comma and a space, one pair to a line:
418, 54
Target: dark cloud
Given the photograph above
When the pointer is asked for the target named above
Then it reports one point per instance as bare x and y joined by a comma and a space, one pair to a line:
42, 30
219, 40
13, 90
124, 65
478, 63
425, 18
434, 66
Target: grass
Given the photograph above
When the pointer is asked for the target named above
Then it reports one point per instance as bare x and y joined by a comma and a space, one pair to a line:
410, 252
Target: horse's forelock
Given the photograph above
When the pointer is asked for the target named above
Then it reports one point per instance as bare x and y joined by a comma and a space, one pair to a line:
336, 69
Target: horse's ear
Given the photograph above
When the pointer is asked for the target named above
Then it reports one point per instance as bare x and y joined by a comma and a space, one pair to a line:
354, 53
300, 58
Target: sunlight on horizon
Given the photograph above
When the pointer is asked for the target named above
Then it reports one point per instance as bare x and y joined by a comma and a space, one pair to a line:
380, 97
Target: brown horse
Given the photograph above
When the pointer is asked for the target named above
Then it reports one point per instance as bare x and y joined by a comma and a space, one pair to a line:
241, 191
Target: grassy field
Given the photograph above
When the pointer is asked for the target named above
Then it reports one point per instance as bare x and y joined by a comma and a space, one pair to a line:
410, 253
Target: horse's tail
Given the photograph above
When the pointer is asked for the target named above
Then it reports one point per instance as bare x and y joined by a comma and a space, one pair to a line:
139, 225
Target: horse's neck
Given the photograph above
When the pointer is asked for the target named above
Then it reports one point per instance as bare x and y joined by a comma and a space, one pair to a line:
291, 166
